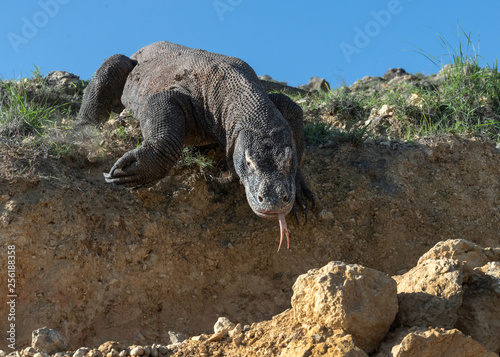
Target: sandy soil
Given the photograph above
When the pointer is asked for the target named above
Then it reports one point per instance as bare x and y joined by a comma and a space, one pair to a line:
99, 263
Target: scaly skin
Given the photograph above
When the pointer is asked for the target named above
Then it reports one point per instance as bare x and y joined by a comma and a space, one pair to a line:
184, 96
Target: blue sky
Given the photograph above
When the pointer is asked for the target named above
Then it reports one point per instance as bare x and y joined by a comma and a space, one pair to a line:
289, 40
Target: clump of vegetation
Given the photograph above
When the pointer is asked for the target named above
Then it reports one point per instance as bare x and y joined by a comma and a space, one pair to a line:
463, 98
193, 157
466, 99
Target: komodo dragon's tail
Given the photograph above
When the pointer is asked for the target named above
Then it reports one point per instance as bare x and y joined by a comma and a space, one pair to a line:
103, 94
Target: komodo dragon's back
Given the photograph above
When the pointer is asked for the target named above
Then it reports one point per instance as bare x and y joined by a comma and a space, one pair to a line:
163, 65
184, 96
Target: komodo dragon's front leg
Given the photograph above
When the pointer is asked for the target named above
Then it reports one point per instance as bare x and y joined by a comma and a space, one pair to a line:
293, 115
163, 128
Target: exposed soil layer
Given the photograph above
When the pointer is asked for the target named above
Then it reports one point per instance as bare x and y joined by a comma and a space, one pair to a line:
100, 263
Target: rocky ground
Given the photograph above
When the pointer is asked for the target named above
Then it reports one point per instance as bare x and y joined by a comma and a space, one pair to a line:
145, 267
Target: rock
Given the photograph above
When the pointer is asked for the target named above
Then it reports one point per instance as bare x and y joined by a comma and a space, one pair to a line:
274, 86
47, 340
393, 73
176, 337
81, 352
470, 254
15, 354
163, 350
136, 351
430, 294
386, 111
154, 352
237, 330
201, 337
2, 353
318, 84
266, 77
65, 82
479, 315
358, 300
422, 342
369, 84
452, 70
107, 347
94, 353
396, 81
41, 354
123, 353
415, 100
223, 325
218, 336
27, 352
340, 344
62, 354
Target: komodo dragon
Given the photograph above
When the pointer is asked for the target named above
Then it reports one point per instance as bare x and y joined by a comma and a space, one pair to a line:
184, 96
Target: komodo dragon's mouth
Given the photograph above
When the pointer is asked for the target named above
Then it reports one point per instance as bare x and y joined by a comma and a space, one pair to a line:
281, 217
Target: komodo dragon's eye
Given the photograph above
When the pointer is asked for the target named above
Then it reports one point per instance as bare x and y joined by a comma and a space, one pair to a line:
287, 160
249, 161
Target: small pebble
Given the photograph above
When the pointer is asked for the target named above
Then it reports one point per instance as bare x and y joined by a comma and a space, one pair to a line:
147, 351
81, 352
123, 353
173, 346
41, 354
154, 351
199, 338
28, 352
163, 350
94, 353
235, 331
216, 337
62, 354
223, 325
176, 337
137, 351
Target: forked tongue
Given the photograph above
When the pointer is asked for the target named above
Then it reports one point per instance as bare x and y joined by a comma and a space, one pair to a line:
284, 230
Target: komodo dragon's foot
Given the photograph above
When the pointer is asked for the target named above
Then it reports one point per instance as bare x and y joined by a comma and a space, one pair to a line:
138, 167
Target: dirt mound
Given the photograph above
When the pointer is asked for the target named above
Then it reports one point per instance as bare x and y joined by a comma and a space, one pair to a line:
347, 310
100, 263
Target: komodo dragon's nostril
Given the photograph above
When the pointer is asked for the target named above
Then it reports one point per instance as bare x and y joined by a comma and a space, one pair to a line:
260, 198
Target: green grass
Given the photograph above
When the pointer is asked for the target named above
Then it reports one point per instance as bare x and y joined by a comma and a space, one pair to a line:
28, 107
466, 101
347, 106
21, 115
192, 157
463, 99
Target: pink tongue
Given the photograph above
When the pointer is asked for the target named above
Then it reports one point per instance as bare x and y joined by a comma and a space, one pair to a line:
283, 229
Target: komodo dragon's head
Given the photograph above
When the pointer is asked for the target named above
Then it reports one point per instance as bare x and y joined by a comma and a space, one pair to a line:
267, 164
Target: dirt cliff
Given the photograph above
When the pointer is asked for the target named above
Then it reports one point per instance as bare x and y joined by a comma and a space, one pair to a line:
100, 263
